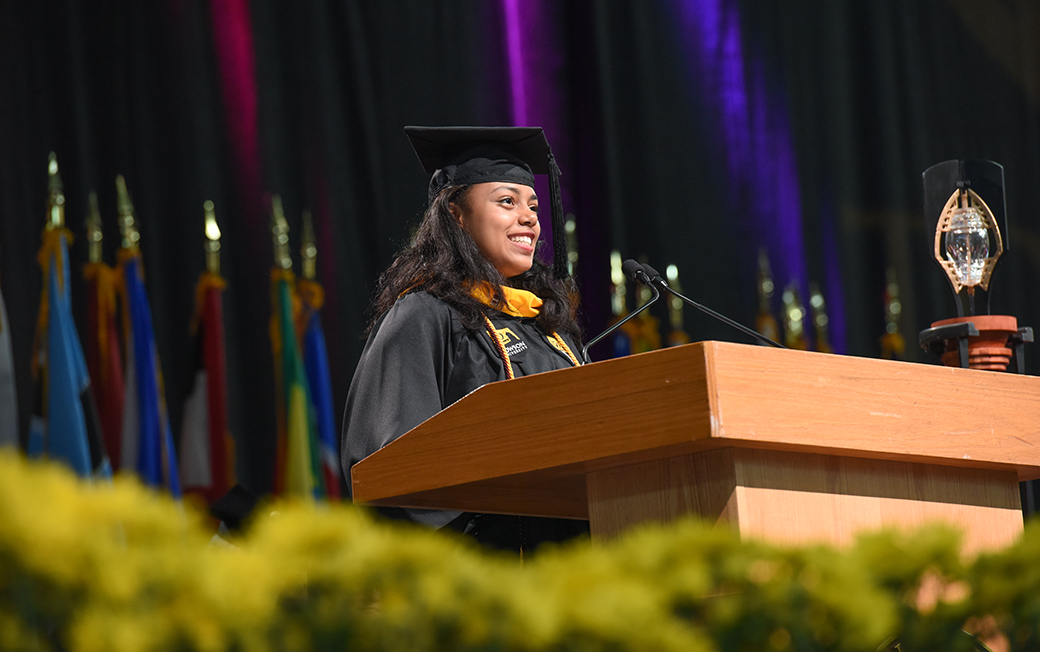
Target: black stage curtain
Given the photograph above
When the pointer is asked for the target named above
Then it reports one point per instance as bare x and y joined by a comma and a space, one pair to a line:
856, 98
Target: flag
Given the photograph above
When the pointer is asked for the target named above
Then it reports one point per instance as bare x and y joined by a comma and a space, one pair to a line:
66, 426
642, 332
647, 335
147, 441
298, 471
8, 395
207, 449
316, 363
104, 360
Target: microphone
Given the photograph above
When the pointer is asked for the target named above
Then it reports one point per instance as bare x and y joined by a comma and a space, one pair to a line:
633, 271
655, 279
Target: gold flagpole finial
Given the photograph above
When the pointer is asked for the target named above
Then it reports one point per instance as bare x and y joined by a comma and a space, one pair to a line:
675, 304
617, 281
127, 223
676, 336
56, 196
765, 322
794, 318
308, 248
212, 238
570, 229
93, 224
643, 293
818, 307
765, 282
893, 344
280, 234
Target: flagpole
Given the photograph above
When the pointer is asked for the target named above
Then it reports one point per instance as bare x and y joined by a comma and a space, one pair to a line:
94, 235
299, 471
65, 428
207, 449
308, 248
104, 360
127, 221
56, 198
280, 235
212, 239
147, 439
282, 266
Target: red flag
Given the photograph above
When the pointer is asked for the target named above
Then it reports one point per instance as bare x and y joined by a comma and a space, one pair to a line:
104, 360
207, 449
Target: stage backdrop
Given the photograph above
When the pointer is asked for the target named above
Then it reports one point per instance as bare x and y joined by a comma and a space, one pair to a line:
693, 132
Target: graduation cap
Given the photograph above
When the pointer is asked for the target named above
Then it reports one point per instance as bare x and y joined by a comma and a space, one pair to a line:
234, 507
460, 156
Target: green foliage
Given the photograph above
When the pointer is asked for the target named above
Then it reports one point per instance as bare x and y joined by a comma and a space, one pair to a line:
118, 567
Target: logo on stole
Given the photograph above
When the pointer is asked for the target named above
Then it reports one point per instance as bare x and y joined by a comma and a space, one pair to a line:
508, 337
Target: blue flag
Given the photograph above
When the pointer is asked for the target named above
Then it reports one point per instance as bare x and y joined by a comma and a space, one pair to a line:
316, 362
147, 437
67, 378
63, 430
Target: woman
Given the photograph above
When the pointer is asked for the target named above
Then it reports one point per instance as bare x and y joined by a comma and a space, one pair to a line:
465, 304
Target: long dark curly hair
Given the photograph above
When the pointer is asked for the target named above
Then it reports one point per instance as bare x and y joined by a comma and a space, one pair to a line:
443, 260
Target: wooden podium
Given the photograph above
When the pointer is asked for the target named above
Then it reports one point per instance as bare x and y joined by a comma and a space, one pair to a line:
789, 446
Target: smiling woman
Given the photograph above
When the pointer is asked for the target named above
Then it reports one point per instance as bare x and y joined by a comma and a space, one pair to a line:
466, 303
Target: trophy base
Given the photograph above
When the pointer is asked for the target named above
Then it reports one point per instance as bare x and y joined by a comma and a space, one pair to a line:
989, 349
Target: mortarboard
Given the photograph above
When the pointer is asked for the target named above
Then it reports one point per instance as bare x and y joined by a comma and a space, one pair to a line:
234, 507
460, 156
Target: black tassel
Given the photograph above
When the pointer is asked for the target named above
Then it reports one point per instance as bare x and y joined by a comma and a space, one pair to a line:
559, 236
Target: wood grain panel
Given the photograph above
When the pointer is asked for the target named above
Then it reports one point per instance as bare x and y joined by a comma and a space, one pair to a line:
794, 498
661, 491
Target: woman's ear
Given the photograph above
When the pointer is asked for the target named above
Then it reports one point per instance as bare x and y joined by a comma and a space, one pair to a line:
456, 212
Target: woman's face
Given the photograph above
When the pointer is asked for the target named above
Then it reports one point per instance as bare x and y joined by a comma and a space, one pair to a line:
502, 218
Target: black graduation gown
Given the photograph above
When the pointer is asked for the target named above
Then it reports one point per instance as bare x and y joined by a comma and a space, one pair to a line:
418, 360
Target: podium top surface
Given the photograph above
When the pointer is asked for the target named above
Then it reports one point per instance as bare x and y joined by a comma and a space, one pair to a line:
525, 445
